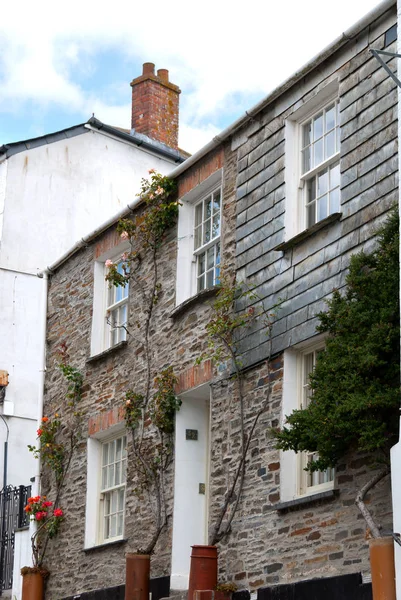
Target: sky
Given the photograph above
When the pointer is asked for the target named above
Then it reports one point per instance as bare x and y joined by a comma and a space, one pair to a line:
61, 62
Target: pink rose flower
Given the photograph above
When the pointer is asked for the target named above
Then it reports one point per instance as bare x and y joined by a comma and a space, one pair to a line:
124, 235
109, 263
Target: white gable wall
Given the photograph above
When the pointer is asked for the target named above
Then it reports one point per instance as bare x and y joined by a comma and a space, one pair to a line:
52, 196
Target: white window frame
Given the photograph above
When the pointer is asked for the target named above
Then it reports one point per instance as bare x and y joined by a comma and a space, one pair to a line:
305, 487
295, 219
115, 332
186, 278
292, 476
94, 516
211, 246
100, 335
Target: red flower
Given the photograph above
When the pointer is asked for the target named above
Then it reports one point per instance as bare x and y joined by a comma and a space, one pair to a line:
31, 500
27, 508
45, 419
39, 432
40, 515
47, 503
35, 499
58, 512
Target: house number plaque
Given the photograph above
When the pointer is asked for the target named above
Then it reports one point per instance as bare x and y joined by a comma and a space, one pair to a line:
191, 434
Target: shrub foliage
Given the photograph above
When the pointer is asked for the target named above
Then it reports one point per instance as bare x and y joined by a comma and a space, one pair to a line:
356, 382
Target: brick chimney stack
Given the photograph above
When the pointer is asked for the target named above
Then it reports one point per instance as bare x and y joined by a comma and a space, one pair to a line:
155, 105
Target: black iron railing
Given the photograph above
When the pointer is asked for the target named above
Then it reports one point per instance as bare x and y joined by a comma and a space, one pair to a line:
12, 517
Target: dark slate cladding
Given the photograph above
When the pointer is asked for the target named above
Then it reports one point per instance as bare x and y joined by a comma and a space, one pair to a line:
346, 587
159, 588
302, 277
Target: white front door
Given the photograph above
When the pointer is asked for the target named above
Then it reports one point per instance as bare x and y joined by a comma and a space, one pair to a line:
190, 482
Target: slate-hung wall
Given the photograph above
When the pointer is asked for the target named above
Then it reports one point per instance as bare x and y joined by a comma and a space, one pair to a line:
304, 275
268, 544
176, 339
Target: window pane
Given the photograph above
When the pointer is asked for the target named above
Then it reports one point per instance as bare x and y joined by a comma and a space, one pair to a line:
123, 315
117, 478
119, 444
322, 210
307, 134
201, 263
201, 283
335, 201
330, 144
110, 477
216, 202
318, 152
210, 258
330, 117
206, 231
318, 126
310, 216
209, 279
216, 226
112, 451
198, 236
121, 499
335, 176
322, 183
106, 528
118, 293
306, 159
113, 526
217, 254
310, 190
120, 524
104, 478
198, 214
208, 205
105, 454
107, 504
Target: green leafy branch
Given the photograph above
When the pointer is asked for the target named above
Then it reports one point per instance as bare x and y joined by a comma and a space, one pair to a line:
356, 381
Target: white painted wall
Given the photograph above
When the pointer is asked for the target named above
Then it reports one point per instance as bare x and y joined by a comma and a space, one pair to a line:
50, 196
59, 192
191, 469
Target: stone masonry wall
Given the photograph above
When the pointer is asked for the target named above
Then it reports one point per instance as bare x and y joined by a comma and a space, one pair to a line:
174, 340
268, 546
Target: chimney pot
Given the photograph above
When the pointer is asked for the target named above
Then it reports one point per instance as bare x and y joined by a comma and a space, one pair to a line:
163, 74
148, 68
155, 106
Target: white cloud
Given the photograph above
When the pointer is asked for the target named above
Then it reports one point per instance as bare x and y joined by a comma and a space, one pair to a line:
221, 54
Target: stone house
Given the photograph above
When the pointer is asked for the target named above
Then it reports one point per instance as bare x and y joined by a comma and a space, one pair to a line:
283, 197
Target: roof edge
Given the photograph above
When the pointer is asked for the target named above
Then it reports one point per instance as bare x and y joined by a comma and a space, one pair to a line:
314, 62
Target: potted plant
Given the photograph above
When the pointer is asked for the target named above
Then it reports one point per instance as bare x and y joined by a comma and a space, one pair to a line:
55, 456
224, 591
48, 520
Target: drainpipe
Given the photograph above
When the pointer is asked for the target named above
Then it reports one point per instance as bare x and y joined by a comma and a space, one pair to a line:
396, 450
42, 372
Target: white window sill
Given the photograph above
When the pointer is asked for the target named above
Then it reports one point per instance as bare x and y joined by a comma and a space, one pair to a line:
193, 300
107, 352
300, 237
105, 545
300, 502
